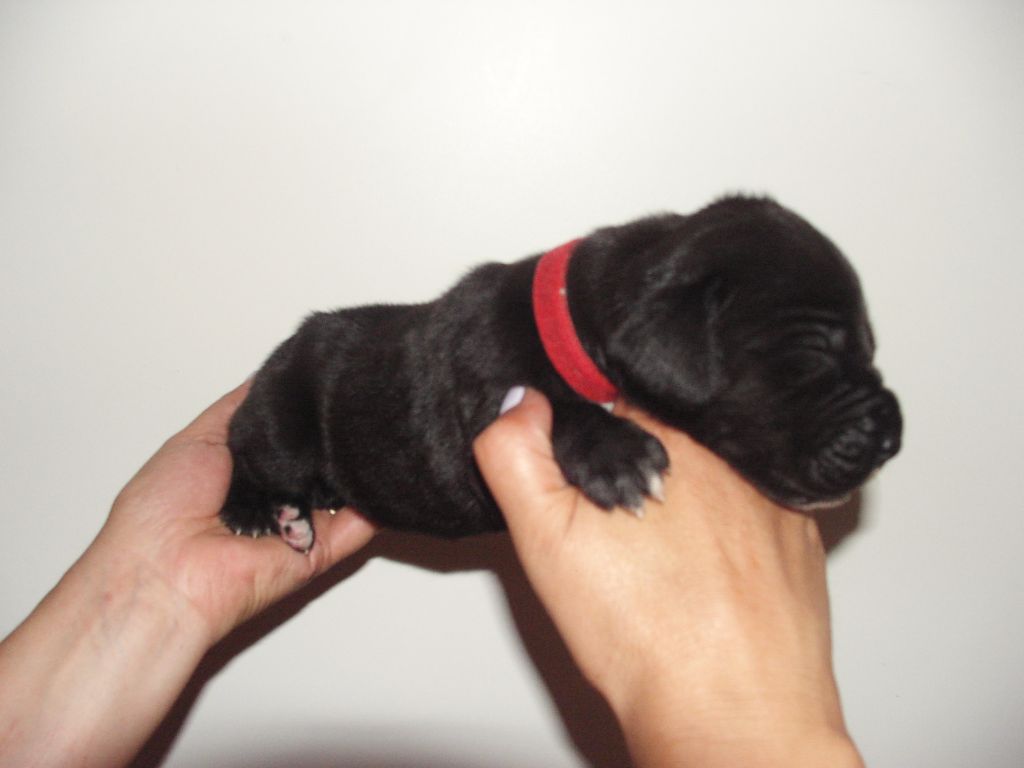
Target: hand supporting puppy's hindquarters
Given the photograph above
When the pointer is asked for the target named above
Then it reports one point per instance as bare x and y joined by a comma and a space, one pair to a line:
96, 666
167, 517
705, 624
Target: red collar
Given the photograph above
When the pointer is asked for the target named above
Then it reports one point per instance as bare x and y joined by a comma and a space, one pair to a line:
557, 332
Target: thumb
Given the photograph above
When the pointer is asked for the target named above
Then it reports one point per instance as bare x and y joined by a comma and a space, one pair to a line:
344, 533
338, 536
518, 464
212, 424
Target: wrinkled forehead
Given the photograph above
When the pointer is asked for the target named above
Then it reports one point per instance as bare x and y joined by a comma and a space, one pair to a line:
826, 285
773, 256
792, 280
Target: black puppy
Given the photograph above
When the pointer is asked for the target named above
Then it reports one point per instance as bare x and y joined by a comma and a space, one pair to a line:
739, 324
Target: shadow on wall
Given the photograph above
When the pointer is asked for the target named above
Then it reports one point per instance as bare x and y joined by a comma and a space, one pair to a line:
366, 757
409, 746
587, 719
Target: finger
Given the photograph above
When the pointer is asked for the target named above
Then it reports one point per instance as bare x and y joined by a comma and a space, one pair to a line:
517, 462
712, 490
685, 453
667, 435
212, 424
281, 570
338, 536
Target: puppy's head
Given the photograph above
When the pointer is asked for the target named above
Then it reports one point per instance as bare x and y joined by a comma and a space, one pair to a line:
748, 330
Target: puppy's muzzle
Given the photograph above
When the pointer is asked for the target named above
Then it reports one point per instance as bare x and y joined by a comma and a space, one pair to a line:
864, 436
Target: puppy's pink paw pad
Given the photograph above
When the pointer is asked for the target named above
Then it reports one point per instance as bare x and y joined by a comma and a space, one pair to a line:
295, 530
287, 513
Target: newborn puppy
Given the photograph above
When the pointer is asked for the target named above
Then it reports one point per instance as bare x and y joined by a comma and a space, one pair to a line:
739, 324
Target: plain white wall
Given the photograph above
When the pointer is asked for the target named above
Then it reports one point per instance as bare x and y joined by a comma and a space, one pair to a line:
181, 182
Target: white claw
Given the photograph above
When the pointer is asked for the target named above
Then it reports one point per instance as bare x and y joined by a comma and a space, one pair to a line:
255, 534
333, 513
656, 487
637, 511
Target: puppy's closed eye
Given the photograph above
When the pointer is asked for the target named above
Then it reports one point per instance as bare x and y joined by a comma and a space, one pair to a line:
803, 367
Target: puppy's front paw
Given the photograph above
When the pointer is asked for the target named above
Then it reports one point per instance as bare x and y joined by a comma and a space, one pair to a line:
614, 462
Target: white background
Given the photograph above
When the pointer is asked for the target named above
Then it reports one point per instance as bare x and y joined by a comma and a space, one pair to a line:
180, 183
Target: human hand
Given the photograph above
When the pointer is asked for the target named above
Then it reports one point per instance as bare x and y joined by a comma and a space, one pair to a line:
164, 526
705, 624
101, 659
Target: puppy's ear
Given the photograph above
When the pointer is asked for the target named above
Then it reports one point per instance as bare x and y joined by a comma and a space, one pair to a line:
667, 348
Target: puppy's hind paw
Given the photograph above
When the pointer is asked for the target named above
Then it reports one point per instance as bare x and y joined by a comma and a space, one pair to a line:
244, 519
296, 530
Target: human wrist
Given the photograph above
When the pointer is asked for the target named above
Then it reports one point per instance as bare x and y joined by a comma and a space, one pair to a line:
139, 637
669, 723
134, 596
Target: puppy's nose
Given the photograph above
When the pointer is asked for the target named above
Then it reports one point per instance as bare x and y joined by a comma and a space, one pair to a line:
887, 424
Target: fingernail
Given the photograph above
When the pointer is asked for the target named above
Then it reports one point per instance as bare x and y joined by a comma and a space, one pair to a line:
512, 398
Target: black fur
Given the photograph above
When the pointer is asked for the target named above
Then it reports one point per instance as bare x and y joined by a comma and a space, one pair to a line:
739, 324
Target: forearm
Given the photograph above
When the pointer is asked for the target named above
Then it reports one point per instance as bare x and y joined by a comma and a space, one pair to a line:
94, 669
